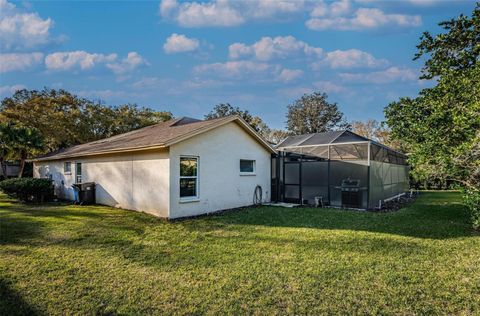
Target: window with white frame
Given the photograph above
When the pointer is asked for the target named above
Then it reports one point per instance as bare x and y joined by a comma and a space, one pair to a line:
188, 177
78, 172
67, 167
247, 166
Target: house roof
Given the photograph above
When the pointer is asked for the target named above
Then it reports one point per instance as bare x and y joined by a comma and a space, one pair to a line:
160, 135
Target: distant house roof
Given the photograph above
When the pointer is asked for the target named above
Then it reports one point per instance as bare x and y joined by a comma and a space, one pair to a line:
160, 135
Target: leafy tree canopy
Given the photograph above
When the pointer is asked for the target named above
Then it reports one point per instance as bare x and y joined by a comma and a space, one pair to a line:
64, 119
314, 114
441, 127
225, 109
377, 131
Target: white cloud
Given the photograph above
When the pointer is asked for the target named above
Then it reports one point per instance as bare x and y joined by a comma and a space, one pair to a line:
272, 8
333, 9
61, 61
253, 70
19, 61
363, 18
351, 58
235, 69
287, 75
128, 64
82, 60
226, 13
20, 30
178, 43
279, 47
195, 14
4, 90
392, 74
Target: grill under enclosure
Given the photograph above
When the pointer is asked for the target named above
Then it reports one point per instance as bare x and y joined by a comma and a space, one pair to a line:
351, 193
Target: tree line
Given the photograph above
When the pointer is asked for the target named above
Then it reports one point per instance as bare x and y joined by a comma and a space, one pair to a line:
35, 122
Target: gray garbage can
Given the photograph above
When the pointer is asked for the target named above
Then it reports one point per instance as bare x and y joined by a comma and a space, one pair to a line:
86, 192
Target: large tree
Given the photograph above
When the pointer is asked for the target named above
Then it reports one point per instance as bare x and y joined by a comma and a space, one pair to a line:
64, 119
441, 126
312, 113
226, 109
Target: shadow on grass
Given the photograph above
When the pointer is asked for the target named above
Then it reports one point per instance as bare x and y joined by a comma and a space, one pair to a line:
12, 303
436, 215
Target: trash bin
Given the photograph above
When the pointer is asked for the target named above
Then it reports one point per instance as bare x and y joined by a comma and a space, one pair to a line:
85, 192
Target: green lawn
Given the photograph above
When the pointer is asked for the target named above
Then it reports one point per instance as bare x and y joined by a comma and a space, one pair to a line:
60, 259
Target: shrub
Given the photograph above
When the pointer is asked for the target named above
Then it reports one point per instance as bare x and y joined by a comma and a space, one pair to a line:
28, 189
472, 200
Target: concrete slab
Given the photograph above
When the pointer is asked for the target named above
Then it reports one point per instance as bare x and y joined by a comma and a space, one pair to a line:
282, 204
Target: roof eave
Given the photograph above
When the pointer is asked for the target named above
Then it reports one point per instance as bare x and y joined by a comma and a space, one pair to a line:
97, 153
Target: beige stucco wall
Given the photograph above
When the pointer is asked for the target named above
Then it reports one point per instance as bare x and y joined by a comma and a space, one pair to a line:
137, 181
220, 184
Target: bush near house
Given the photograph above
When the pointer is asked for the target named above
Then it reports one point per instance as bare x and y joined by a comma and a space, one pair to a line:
472, 201
28, 189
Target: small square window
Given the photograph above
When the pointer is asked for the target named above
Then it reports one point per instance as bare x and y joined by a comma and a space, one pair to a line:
67, 167
247, 166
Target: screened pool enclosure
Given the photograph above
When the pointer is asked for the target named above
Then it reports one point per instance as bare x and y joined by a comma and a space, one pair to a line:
339, 169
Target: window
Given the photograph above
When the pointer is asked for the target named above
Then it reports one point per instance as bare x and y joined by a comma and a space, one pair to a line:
188, 177
247, 166
67, 167
78, 172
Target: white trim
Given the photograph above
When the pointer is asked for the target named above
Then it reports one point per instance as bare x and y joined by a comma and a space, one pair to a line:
196, 197
247, 173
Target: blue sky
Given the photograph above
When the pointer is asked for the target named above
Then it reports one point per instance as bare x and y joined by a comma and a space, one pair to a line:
187, 56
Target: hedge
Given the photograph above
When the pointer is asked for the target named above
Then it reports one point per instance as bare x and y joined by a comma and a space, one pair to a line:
472, 201
28, 189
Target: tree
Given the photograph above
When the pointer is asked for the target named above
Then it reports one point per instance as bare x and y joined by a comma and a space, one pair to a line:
376, 131
225, 109
441, 126
26, 143
276, 136
314, 114
64, 119
6, 145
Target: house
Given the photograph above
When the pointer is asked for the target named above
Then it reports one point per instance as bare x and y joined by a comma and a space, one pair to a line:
339, 169
182, 167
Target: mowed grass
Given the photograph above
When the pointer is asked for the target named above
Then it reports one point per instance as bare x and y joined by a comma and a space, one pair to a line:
62, 259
